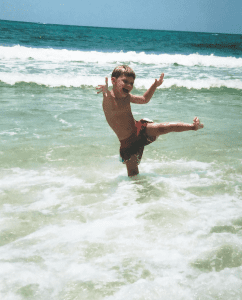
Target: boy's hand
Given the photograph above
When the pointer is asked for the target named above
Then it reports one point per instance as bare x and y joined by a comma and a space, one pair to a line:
197, 124
160, 80
103, 88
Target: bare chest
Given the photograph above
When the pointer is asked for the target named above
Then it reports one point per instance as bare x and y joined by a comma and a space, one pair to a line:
115, 107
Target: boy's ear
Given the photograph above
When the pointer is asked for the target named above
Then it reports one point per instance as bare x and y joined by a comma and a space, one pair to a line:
113, 80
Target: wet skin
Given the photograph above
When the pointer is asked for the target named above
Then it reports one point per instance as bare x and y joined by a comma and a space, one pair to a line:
117, 110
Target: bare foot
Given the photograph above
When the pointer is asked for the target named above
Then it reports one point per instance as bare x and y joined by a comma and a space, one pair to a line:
197, 124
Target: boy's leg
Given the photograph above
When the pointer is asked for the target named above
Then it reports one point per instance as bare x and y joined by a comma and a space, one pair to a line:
156, 129
132, 166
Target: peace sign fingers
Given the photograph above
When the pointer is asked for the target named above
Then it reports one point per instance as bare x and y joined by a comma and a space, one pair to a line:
103, 88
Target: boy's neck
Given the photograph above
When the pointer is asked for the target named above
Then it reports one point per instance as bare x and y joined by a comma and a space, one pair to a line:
117, 96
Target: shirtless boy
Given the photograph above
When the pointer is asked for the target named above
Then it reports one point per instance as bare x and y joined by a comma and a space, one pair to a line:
134, 135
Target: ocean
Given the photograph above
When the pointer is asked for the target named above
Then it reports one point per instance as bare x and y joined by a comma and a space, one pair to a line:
72, 224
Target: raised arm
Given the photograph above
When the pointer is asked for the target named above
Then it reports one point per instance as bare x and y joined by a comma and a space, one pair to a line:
103, 88
149, 93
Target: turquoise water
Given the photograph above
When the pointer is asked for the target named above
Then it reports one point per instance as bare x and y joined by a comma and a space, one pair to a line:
73, 225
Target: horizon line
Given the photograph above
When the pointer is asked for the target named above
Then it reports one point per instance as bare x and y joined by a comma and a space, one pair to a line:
124, 28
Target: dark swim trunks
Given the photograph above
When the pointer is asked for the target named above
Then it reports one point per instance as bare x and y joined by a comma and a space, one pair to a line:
134, 144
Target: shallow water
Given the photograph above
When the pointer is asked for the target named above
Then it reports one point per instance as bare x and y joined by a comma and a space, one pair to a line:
73, 225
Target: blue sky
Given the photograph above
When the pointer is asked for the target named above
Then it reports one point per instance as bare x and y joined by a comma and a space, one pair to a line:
220, 16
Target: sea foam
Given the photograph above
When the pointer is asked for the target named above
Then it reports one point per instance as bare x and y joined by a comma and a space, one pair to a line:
93, 81
64, 55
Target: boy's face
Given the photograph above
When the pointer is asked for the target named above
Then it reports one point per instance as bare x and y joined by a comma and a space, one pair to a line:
123, 85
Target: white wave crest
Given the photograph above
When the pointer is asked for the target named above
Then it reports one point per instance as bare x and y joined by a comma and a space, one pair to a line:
63, 55
197, 84
93, 81
51, 80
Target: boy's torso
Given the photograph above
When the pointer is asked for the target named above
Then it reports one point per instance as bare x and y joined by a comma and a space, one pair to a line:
119, 116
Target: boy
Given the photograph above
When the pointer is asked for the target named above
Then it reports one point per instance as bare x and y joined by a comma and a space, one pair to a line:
134, 135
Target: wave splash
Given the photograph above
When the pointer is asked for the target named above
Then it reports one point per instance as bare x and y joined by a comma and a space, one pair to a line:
69, 81
64, 55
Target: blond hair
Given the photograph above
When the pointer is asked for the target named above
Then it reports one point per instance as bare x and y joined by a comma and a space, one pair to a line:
123, 70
